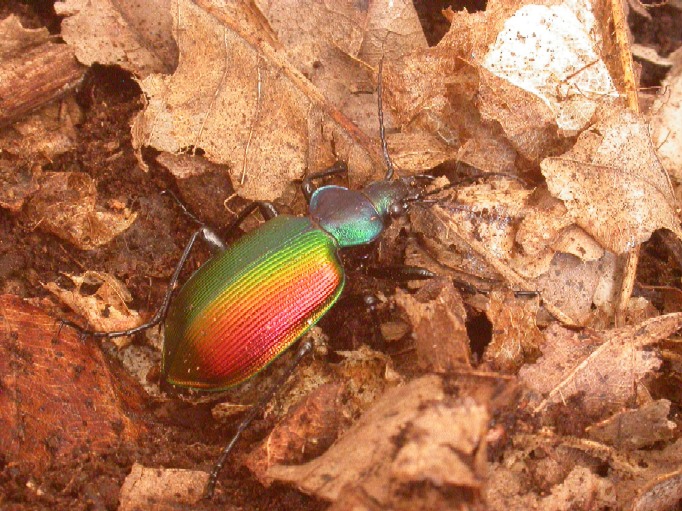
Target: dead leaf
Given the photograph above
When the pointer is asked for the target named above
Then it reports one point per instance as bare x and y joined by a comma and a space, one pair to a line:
636, 429
602, 370
661, 494
577, 287
438, 317
233, 84
552, 53
305, 432
80, 402
65, 205
161, 489
613, 184
105, 310
516, 338
136, 36
665, 128
442, 446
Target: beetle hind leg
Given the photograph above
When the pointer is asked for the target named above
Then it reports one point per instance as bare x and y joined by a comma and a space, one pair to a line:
304, 348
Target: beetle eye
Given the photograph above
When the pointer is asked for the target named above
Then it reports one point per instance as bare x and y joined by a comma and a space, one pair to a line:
397, 209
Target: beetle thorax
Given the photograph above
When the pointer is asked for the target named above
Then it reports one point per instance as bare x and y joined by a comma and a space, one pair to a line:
354, 217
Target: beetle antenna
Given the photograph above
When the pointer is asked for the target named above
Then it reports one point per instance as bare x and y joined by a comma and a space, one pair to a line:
382, 131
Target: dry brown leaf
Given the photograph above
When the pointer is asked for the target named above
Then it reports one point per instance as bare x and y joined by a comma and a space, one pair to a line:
106, 309
660, 494
15, 39
334, 45
438, 317
576, 287
613, 185
601, 370
59, 395
236, 96
516, 338
441, 445
636, 429
161, 489
134, 35
65, 205
307, 430
553, 54
665, 126
528, 123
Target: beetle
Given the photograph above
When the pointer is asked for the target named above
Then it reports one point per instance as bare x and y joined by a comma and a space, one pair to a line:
253, 299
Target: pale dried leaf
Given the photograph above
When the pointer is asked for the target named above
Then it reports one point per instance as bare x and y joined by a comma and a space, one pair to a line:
613, 184
237, 97
665, 125
15, 39
660, 494
65, 205
574, 285
134, 35
440, 446
106, 309
527, 121
553, 53
603, 369
161, 489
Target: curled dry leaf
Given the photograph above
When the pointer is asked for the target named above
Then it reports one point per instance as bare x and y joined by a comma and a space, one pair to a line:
516, 338
65, 205
438, 317
161, 489
599, 372
613, 184
581, 489
105, 310
136, 36
636, 429
80, 403
412, 435
576, 287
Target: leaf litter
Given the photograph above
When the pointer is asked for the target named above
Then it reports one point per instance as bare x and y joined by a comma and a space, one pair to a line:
252, 96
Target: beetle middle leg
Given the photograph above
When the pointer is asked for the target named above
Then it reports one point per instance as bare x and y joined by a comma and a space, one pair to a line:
161, 311
215, 243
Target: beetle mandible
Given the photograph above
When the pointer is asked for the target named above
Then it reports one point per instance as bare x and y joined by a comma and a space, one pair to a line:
251, 301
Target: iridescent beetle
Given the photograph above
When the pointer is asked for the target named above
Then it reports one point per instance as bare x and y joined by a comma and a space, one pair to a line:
251, 301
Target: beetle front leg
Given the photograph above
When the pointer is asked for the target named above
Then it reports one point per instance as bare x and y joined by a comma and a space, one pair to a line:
308, 187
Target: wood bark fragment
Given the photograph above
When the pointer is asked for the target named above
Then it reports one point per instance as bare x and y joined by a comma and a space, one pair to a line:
36, 77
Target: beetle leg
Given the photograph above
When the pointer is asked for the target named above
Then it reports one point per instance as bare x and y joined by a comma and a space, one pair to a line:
267, 209
160, 313
308, 187
401, 272
304, 348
